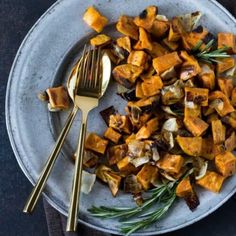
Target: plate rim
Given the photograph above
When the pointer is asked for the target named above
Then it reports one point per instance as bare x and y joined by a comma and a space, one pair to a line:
27, 174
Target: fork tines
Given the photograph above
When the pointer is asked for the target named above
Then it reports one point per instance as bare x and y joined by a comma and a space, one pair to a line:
90, 79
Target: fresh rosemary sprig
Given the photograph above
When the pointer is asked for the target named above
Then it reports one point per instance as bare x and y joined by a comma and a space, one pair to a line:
149, 218
207, 55
163, 195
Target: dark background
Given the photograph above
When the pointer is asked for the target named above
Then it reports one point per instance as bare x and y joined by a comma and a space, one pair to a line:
16, 18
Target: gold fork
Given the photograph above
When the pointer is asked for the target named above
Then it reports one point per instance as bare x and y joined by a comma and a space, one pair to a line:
87, 97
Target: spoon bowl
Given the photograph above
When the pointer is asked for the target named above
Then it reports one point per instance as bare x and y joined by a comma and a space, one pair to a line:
72, 83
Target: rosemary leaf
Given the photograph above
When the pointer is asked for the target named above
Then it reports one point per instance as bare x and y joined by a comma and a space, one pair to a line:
197, 46
207, 55
130, 227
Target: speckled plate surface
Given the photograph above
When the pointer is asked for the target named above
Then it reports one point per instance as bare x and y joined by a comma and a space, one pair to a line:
43, 60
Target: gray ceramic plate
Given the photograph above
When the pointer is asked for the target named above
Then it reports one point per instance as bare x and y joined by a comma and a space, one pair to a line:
43, 60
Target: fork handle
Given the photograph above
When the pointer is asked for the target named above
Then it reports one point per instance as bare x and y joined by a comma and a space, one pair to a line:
75, 195
38, 188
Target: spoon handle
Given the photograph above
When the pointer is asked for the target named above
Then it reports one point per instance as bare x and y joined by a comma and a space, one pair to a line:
75, 195
38, 188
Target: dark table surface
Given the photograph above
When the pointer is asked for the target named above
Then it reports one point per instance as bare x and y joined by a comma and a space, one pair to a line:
16, 18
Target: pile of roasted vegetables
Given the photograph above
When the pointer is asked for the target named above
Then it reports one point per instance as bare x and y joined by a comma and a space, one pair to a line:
178, 128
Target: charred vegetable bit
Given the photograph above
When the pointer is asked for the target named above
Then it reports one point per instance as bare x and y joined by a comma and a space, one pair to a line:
117, 153
105, 114
90, 159
185, 190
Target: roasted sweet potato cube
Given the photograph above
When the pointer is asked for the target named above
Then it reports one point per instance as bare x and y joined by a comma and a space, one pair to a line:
137, 58
112, 135
58, 98
124, 42
148, 129
184, 188
130, 138
171, 163
90, 159
158, 50
233, 97
229, 120
147, 175
207, 148
146, 17
143, 119
191, 39
190, 67
100, 40
113, 181
224, 107
218, 131
210, 113
230, 142
126, 74
226, 163
146, 104
171, 45
207, 76
165, 62
176, 30
226, 86
227, 40
144, 40
198, 96
211, 181
192, 146
225, 64
125, 166
152, 86
126, 26
120, 123
96, 143
195, 125
94, 19
192, 112
218, 149
117, 153
159, 28
139, 91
